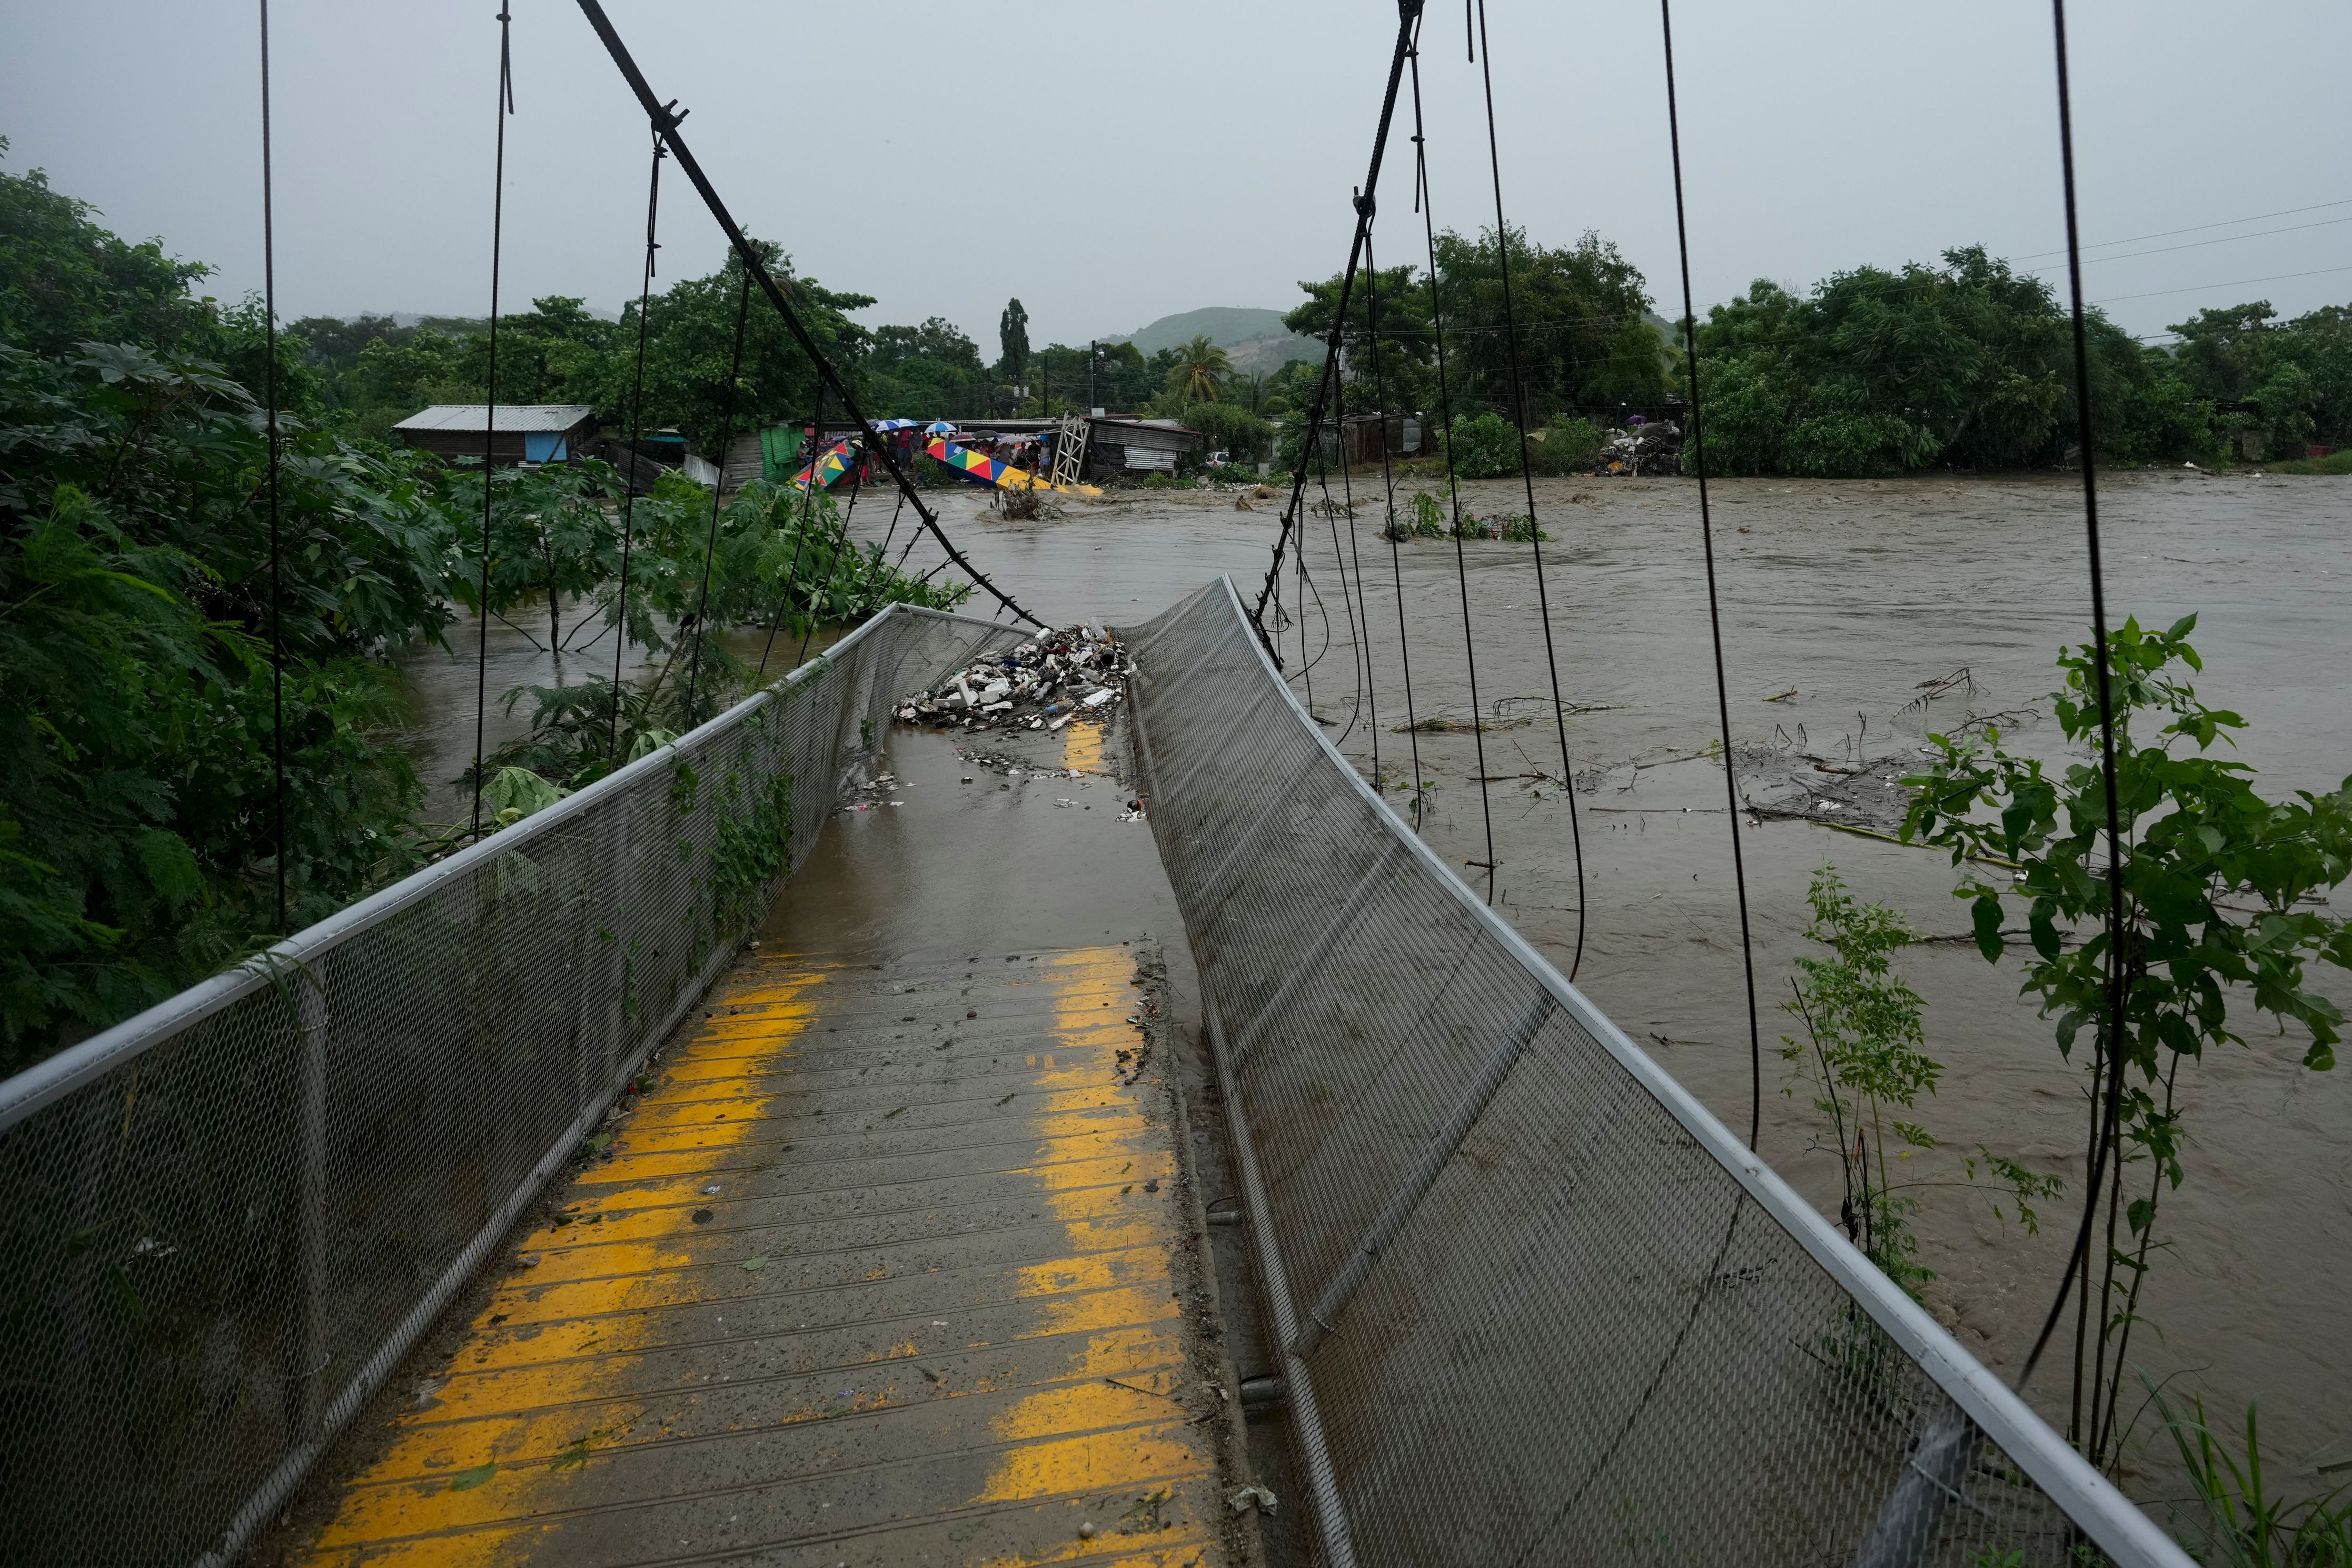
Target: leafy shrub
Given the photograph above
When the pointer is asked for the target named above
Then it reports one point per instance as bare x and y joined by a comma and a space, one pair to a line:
1567, 445
1483, 447
1230, 428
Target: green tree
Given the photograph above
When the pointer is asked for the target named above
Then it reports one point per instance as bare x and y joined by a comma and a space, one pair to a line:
553, 540
1200, 372
2219, 887
1967, 365
1404, 357
1232, 429
1585, 338
779, 562
1013, 340
1865, 1052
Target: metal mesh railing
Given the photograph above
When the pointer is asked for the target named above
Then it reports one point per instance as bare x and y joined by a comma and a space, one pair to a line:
230, 1217
1536, 1305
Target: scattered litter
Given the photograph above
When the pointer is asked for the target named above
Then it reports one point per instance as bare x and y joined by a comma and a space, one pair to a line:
1241, 1499
1043, 684
711, 1191
1654, 447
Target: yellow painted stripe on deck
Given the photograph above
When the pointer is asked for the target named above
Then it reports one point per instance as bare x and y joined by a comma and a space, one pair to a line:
585, 1386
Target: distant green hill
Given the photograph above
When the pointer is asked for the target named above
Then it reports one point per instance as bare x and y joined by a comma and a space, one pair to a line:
1256, 339
1227, 326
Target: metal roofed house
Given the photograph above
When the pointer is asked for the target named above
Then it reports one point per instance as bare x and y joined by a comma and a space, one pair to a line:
1121, 446
526, 432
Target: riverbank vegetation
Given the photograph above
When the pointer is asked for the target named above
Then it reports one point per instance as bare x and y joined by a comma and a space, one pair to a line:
140, 632
1965, 365
2222, 903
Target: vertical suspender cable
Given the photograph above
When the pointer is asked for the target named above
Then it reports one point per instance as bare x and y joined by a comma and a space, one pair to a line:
269, 381
637, 434
1306, 664
1713, 611
491, 411
1453, 482
718, 496
2110, 1047
1407, 25
840, 542
1339, 563
1519, 403
1360, 622
1388, 513
799, 534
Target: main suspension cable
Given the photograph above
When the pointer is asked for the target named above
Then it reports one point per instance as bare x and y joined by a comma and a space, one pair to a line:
2110, 1054
637, 457
1407, 25
1713, 611
491, 410
1452, 480
1526, 476
718, 493
277, 590
668, 116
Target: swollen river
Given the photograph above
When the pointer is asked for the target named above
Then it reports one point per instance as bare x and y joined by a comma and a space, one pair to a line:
1841, 602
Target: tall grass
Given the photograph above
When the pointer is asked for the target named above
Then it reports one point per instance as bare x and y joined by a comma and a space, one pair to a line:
2245, 1524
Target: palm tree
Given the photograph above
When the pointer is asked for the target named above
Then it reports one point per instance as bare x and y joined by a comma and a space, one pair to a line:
1202, 370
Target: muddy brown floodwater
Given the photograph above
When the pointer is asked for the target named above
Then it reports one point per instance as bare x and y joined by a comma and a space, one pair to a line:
1839, 599
1851, 595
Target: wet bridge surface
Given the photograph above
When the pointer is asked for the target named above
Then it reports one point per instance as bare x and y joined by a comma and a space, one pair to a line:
891, 1261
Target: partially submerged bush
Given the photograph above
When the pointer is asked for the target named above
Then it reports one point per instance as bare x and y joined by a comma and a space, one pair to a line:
1567, 445
1482, 446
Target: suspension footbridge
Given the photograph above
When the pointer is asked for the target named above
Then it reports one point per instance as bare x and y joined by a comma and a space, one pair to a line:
631, 1187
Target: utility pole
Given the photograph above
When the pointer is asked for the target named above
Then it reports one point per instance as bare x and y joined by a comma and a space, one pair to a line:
1094, 351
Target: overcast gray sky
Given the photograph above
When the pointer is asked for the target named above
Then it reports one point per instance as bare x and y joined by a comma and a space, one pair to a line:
1112, 164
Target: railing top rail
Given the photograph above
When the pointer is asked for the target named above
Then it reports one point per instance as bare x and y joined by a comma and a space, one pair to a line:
2127, 1535
43, 1083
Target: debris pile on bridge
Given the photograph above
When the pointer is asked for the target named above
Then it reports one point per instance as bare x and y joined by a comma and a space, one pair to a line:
1075, 673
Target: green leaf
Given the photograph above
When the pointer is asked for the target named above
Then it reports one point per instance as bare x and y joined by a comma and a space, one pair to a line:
467, 1481
2043, 929
754, 1264
170, 865
1986, 912
2139, 1215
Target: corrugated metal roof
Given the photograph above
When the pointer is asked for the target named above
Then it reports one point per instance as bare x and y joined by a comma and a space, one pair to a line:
512, 417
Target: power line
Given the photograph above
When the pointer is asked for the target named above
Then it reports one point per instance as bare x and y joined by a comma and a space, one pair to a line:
2198, 244
2193, 228
2235, 283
